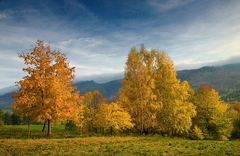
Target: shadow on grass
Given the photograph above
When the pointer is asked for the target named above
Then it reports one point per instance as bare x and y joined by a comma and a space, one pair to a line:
22, 132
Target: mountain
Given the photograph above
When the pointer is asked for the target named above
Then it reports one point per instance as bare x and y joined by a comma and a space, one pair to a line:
108, 89
222, 78
5, 101
7, 90
225, 79
100, 78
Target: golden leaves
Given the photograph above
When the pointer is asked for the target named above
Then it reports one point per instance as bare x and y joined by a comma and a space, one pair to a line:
46, 93
153, 95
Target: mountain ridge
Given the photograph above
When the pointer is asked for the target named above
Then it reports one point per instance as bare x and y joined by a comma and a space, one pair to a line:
225, 79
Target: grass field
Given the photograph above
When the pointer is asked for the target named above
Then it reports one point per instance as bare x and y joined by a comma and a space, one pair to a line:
125, 145
21, 132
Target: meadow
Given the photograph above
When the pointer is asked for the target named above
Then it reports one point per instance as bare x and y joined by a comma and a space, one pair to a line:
15, 140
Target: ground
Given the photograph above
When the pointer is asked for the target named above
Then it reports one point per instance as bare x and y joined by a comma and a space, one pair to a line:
116, 145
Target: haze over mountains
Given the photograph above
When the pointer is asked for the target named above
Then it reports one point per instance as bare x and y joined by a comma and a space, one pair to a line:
225, 79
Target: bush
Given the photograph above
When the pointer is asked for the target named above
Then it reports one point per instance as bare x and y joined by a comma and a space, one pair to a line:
70, 126
236, 129
196, 133
1, 123
222, 138
1, 118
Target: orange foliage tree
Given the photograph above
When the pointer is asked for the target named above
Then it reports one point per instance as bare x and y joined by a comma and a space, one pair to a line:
46, 92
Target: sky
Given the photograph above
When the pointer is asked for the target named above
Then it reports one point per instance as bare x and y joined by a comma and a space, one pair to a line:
96, 35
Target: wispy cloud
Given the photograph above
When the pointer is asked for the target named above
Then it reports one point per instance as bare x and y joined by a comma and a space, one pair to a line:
164, 6
97, 40
3, 15
92, 56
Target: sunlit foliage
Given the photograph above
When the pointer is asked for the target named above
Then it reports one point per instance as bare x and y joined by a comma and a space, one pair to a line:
46, 92
212, 113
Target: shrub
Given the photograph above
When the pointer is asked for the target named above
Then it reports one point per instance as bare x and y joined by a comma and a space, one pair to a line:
70, 126
196, 133
236, 129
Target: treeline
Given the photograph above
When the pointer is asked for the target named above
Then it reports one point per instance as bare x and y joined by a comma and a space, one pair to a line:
151, 99
10, 118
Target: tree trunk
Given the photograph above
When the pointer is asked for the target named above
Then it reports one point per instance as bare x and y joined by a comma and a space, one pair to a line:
142, 126
44, 125
28, 128
49, 128
111, 130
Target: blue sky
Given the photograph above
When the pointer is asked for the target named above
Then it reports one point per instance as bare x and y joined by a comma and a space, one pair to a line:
96, 35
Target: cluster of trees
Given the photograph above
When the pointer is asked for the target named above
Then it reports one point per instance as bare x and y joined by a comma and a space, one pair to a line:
10, 118
151, 99
235, 114
158, 101
96, 115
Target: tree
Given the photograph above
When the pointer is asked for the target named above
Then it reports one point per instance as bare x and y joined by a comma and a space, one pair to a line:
235, 114
102, 118
90, 103
212, 113
112, 117
177, 111
78, 120
16, 120
136, 94
1, 118
46, 92
7, 118
120, 119
152, 94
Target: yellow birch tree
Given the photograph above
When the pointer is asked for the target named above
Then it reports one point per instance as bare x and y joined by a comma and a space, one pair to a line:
212, 113
175, 117
136, 95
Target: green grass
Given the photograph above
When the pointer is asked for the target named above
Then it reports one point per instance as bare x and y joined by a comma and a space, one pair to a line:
21, 132
61, 144
153, 145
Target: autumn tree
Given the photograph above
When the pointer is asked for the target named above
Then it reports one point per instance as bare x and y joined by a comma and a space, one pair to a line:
153, 95
235, 115
112, 117
102, 118
78, 120
46, 92
84, 115
212, 113
136, 95
175, 117
90, 104
120, 119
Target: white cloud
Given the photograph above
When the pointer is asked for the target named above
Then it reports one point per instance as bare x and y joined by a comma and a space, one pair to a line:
3, 15
204, 38
164, 6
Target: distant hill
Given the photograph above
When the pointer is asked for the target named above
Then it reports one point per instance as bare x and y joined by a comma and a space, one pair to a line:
225, 79
108, 89
5, 101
